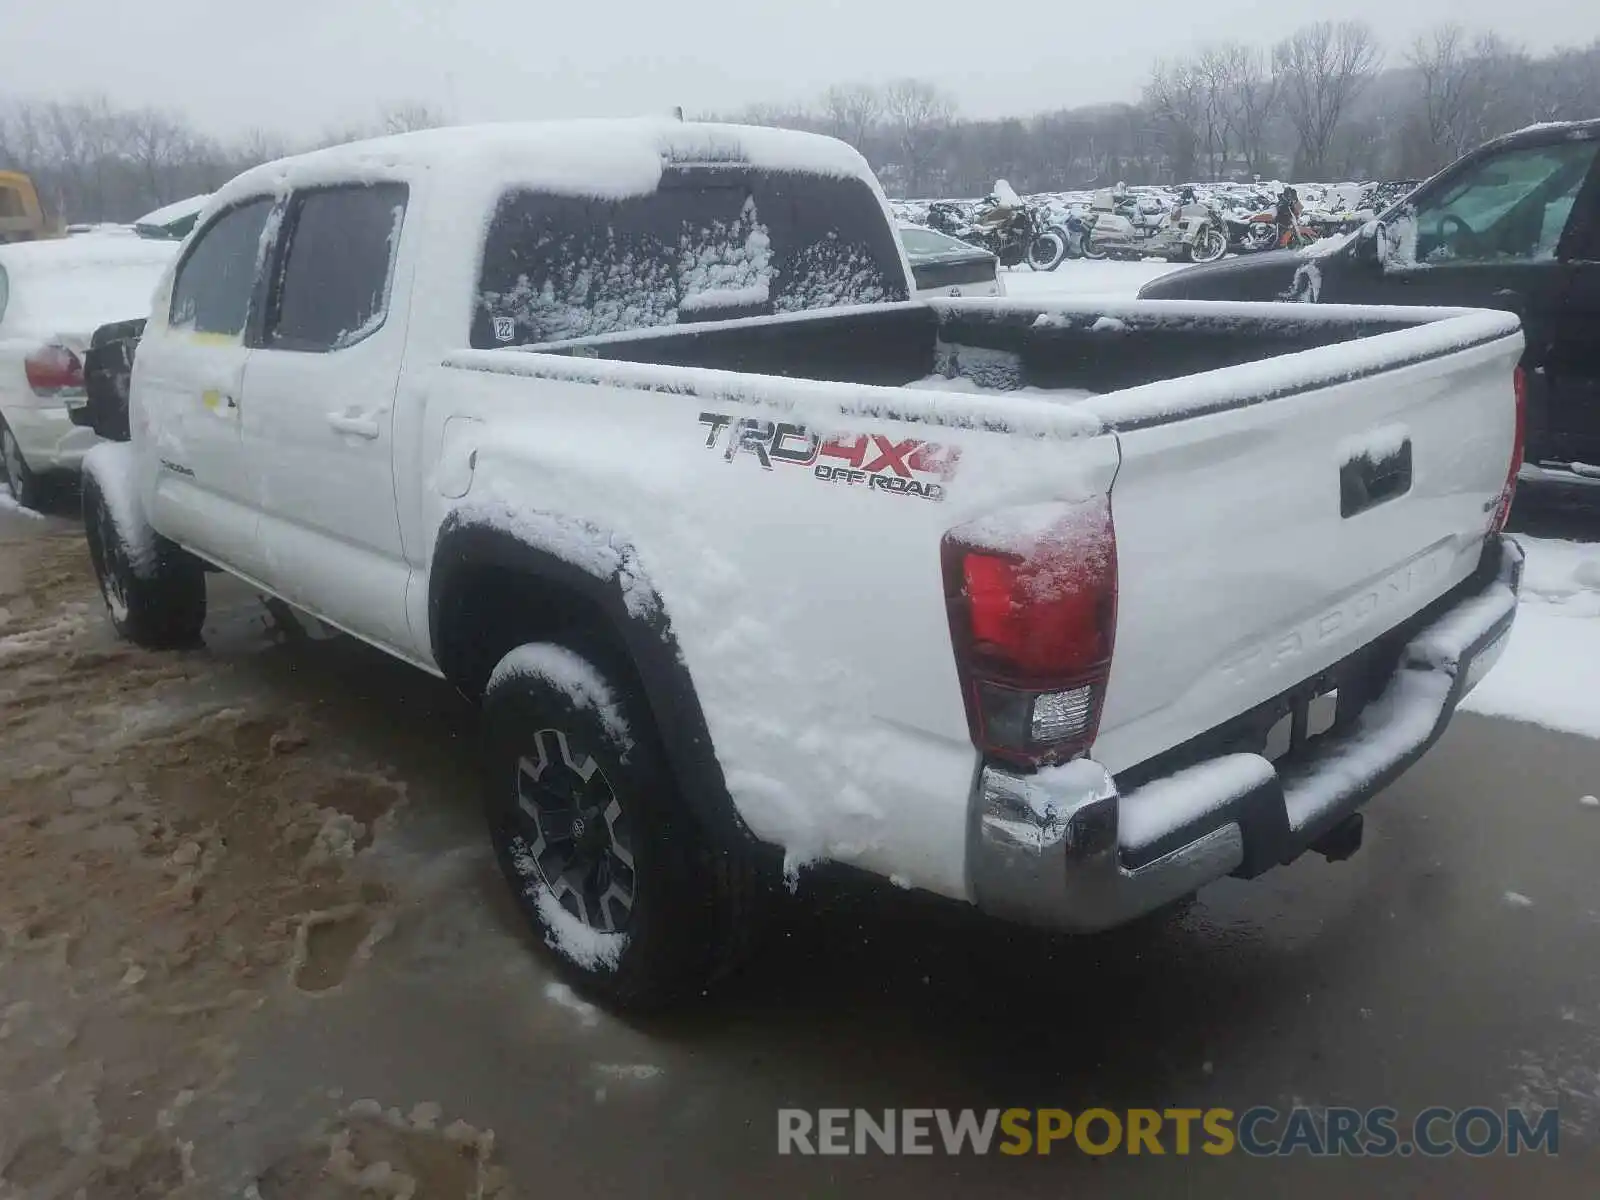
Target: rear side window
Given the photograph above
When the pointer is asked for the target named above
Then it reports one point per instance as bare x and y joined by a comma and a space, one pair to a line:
211, 293
332, 289
709, 244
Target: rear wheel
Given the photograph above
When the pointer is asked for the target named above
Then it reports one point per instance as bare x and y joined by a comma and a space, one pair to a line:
603, 857
1091, 250
1260, 236
154, 591
17, 480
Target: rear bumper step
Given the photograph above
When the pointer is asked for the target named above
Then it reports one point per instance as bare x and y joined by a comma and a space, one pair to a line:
1064, 849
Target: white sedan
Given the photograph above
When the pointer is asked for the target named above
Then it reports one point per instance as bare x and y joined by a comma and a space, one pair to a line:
53, 296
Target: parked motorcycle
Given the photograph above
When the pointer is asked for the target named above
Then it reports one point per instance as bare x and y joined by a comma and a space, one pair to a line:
1075, 230
1014, 233
1190, 233
948, 216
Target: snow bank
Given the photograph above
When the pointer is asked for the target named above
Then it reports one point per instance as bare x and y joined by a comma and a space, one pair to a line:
1550, 671
573, 675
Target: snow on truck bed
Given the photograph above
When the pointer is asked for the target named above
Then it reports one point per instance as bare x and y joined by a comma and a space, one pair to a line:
974, 387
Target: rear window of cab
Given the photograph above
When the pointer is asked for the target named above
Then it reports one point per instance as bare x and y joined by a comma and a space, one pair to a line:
708, 244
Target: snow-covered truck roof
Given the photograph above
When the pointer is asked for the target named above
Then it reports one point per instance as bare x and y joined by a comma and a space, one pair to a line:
603, 158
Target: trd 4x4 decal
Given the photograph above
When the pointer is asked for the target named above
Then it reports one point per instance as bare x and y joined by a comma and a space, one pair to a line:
900, 466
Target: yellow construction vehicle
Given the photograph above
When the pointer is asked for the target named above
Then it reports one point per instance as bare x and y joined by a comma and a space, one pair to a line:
22, 217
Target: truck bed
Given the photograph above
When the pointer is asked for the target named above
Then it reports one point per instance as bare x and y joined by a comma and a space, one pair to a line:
1062, 352
1349, 465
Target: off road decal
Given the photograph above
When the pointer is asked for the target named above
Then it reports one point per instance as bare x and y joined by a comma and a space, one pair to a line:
878, 462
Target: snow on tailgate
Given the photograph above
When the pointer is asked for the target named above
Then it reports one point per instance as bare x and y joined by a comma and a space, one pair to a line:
1440, 332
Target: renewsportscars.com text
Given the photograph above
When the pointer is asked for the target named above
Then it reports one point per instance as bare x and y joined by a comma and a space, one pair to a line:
1259, 1132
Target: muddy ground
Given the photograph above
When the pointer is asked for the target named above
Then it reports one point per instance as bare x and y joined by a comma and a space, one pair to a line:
252, 944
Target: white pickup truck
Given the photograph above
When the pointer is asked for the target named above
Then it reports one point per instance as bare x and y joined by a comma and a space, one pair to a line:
629, 430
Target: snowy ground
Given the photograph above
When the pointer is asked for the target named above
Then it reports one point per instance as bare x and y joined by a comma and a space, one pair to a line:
1082, 277
9, 505
1550, 673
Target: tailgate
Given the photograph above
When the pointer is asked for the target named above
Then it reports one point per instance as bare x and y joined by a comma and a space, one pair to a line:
1259, 545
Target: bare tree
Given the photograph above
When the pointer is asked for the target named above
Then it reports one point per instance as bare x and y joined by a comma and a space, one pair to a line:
157, 144
1250, 91
1321, 69
918, 113
411, 115
1212, 70
852, 109
261, 145
1450, 88
1176, 99
1567, 84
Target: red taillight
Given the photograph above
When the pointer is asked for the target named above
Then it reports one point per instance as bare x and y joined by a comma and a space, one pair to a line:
1519, 442
52, 370
1032, 597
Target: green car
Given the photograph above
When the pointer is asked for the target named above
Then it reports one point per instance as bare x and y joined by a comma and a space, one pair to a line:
172, 222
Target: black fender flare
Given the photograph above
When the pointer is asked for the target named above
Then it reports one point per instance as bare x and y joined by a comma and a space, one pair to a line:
615, 592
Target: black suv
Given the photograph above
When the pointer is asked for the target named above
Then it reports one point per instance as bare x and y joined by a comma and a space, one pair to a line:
1513, 225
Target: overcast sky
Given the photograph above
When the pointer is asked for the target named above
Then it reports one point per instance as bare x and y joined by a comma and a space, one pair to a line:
302, 66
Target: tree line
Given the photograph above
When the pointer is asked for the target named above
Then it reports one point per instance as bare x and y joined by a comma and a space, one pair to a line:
92, 161
1326, 103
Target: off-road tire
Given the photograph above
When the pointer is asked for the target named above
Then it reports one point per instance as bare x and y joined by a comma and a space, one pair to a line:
163, 605
17, 479
696, 903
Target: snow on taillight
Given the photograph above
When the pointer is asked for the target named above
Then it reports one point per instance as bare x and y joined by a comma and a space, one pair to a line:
53, 370
1032, 598
1518, 445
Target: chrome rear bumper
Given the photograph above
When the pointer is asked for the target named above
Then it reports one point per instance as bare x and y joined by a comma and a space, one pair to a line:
1063, 848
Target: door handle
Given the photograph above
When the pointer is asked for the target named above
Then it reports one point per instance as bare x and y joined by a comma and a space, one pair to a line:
362, 425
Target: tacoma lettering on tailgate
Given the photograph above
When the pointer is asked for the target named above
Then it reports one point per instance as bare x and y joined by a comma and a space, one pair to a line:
1353, 613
